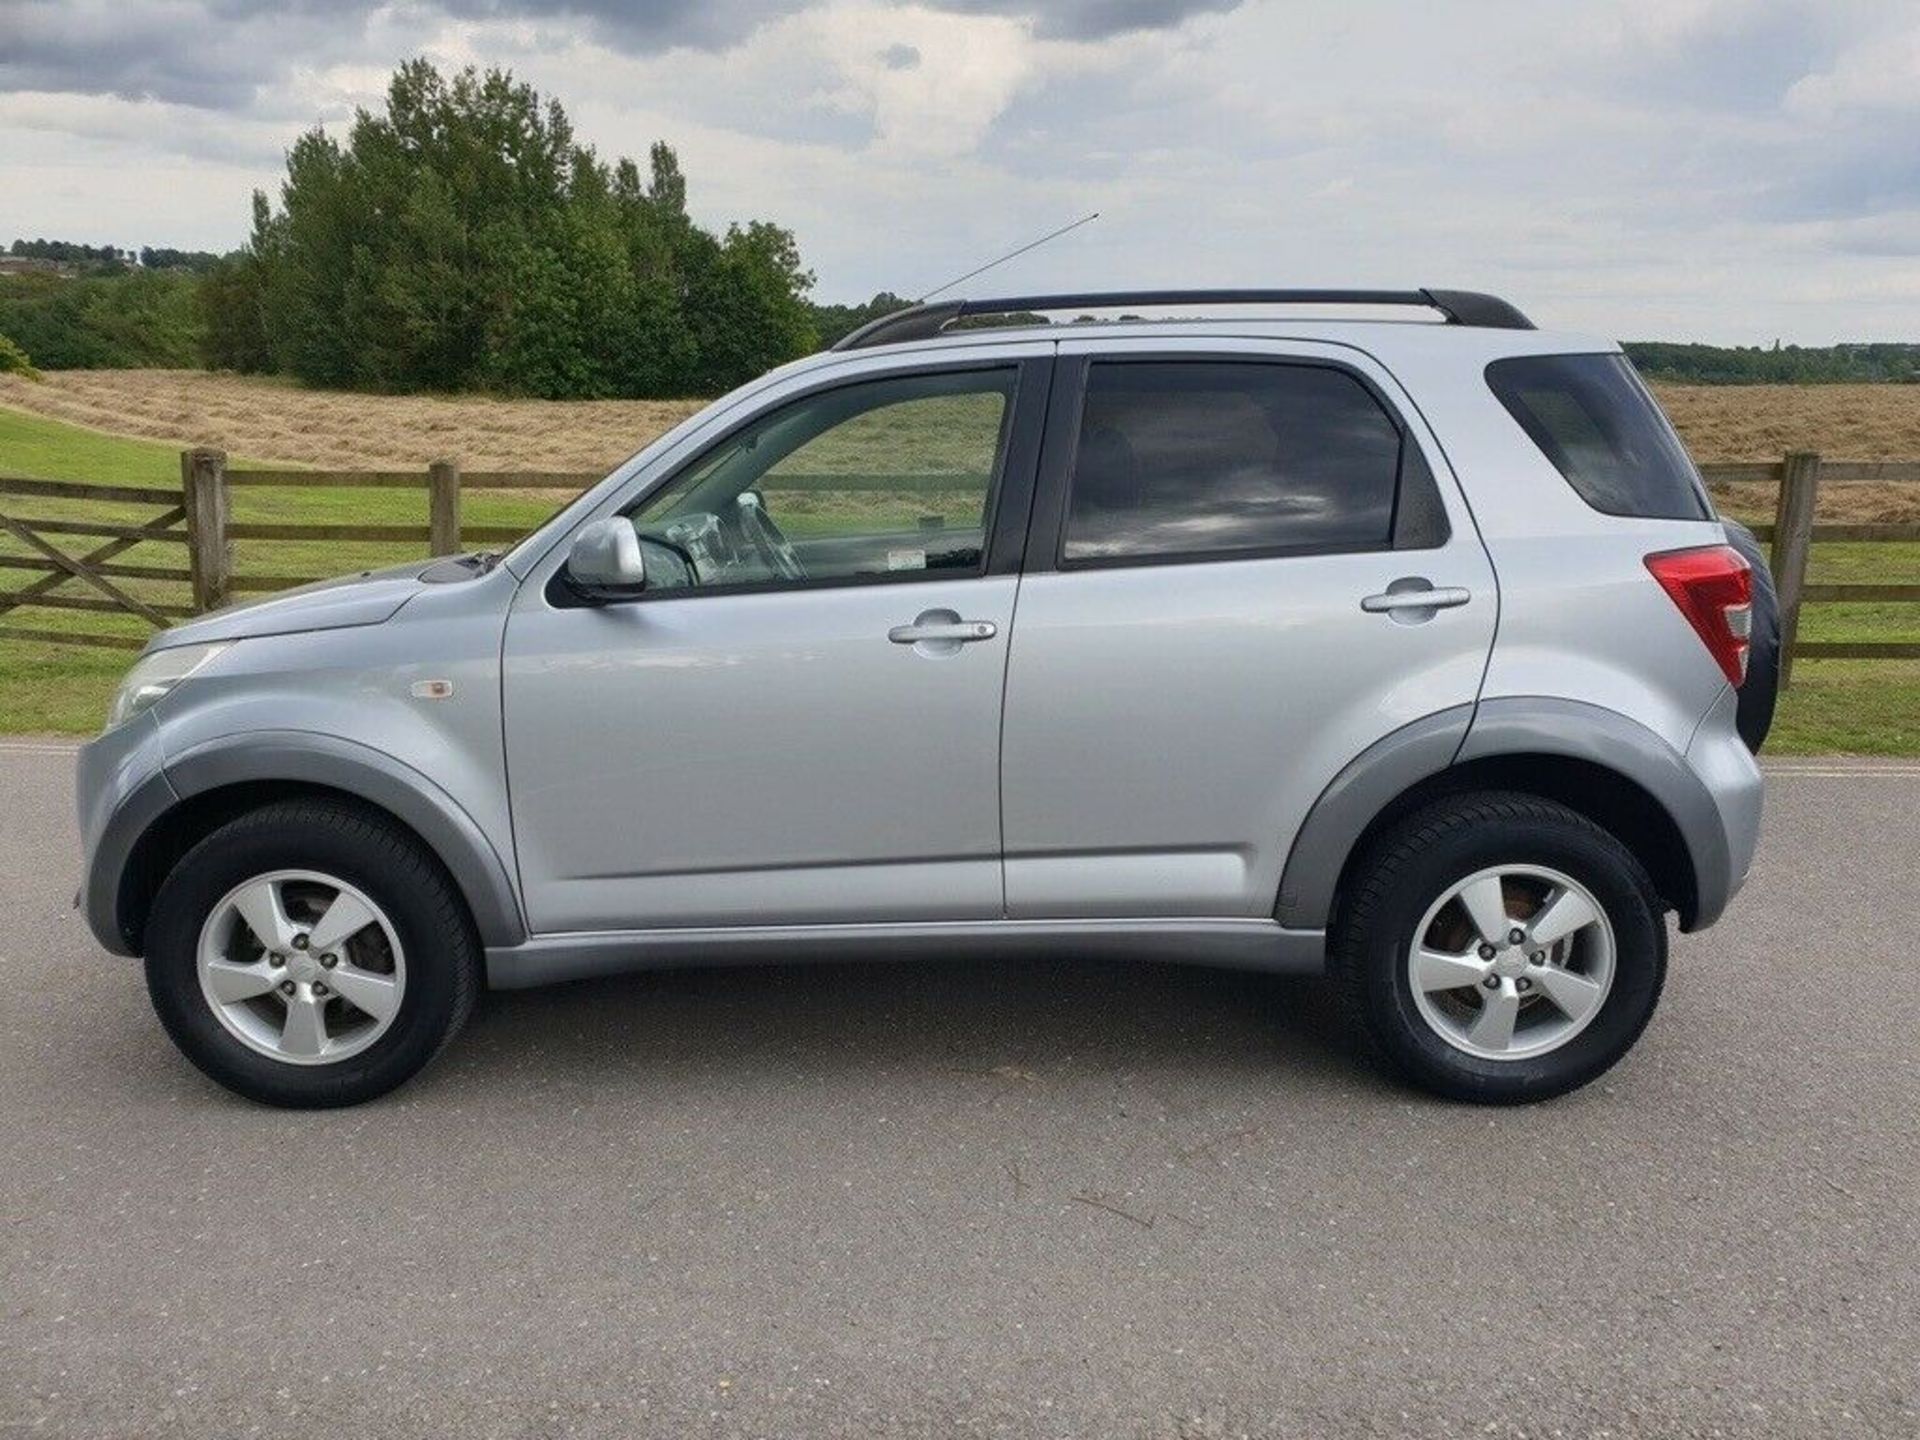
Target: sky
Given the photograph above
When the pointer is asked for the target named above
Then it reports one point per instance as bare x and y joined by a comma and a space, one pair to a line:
1736, 171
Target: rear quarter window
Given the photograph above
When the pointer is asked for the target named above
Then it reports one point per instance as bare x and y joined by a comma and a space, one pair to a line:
1591, 417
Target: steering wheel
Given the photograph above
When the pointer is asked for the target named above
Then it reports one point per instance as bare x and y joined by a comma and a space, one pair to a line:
773, 546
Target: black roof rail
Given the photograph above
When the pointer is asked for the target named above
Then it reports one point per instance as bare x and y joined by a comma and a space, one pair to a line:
921, 322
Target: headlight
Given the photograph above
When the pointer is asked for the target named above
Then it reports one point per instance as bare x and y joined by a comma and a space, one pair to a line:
153, 676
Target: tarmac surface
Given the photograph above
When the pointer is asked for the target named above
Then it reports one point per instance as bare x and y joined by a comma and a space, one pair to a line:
1080, 1200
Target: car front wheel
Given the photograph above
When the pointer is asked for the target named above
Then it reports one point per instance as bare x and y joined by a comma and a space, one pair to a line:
311, 953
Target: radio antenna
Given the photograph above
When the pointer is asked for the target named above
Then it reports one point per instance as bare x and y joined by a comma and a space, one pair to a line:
1010, 255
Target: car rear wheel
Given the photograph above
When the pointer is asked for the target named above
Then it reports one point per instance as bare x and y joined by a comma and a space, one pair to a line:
311, 953
1501, 948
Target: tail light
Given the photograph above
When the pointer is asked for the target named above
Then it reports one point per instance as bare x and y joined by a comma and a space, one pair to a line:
1713, 586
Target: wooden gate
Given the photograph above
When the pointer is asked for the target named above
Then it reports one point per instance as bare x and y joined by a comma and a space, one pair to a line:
70, 579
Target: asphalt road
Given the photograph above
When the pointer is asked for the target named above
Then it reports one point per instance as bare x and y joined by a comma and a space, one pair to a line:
1081, 1201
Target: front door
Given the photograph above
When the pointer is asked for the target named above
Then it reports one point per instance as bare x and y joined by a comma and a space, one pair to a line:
1224, 604
798, 720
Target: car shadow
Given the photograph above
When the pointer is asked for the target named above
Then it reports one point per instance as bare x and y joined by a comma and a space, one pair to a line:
1087, 1015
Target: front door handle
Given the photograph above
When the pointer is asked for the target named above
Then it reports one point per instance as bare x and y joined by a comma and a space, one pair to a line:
955, 630
1404, 598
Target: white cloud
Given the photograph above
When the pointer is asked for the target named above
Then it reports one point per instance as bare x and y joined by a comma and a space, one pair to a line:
968, 70
1881, 76
1727, 169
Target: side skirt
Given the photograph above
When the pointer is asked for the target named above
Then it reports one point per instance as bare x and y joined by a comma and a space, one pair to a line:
1246, 944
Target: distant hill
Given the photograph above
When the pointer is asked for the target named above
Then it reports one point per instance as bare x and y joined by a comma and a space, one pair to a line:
72, 258
1775, 365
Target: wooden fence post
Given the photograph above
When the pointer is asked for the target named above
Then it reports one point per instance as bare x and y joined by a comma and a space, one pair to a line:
443, 507
203, 484
1792, 545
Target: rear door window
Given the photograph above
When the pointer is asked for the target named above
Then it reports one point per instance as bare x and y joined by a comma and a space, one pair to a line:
1591, 417
1196, 459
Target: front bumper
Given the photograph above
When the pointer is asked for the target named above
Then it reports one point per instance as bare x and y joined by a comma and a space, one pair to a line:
120, 788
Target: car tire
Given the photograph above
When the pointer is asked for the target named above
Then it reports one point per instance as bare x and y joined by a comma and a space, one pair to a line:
1406, 914
221, 986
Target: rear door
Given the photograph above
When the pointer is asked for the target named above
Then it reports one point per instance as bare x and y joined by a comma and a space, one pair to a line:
1248, 563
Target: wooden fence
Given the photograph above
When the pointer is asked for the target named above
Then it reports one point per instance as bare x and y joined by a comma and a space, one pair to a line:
98, 568
1793, 534
198, 518
208, 485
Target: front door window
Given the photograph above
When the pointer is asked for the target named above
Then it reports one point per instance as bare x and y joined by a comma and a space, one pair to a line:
885, 478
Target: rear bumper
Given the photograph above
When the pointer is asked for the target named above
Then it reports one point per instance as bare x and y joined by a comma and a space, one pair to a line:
1711, 793
120, 788
1731, 778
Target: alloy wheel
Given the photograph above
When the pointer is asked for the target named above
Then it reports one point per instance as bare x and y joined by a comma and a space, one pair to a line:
1512, 962
301, 967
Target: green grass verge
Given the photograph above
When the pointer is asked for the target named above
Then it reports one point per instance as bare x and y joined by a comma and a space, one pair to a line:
1865, 707
51, 450
1859, 707
1862, 707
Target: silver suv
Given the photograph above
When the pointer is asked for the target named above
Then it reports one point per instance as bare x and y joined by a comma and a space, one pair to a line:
1404, 652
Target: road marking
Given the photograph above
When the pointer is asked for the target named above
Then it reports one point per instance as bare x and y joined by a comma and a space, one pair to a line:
1840, 764
18, 747
1844, 774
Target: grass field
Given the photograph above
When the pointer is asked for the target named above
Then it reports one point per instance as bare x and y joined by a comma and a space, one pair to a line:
1865, 707
253, 416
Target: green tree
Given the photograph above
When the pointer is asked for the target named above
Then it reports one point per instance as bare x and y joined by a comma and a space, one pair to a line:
233, 303
14, 361
668, 188
835, 321
200, 262
463, 238
744, 305
104, 319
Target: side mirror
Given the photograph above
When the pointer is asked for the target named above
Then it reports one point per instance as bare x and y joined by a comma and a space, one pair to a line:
605, 562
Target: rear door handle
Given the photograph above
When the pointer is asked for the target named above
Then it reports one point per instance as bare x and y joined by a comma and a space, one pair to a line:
1414, 594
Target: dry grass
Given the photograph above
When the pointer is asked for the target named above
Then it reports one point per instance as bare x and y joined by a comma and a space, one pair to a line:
1763, 422
1842, 422
273, 420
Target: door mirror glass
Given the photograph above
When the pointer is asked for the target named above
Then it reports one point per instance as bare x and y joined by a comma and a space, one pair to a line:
605, 562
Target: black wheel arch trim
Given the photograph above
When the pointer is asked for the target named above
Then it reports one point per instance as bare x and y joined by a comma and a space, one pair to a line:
1353, 799
324, 762
1512, 726
1546, 725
